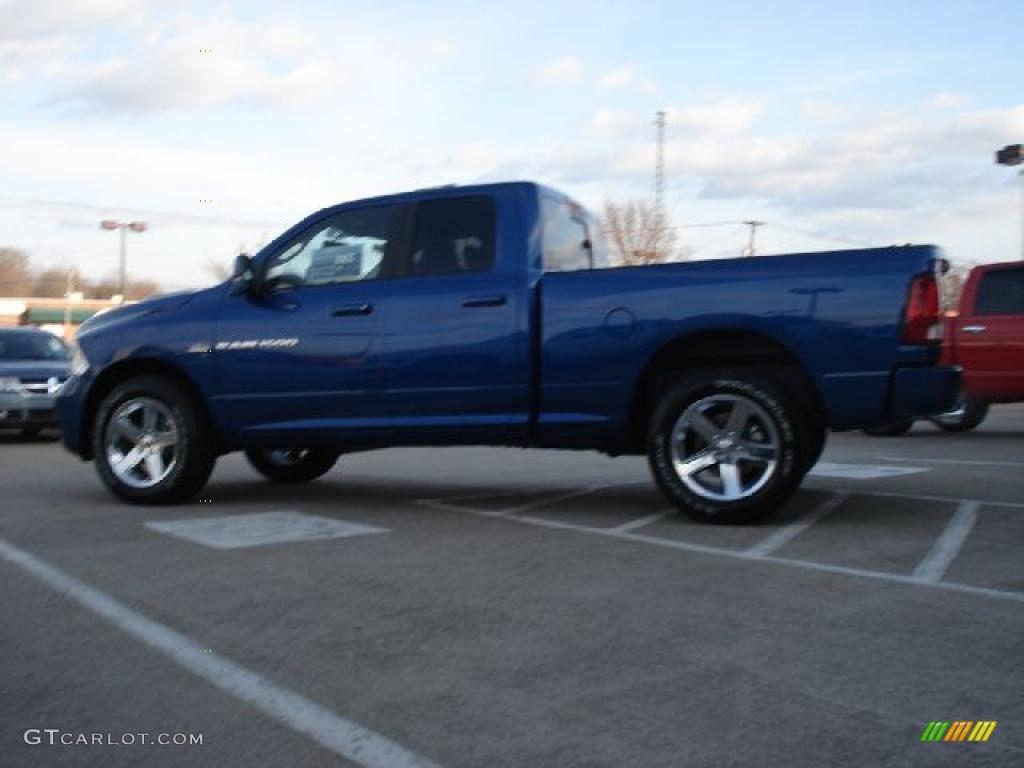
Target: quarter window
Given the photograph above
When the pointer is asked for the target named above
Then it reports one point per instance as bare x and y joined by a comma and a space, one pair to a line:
1001, 292
453, 235
572, 239
345, 248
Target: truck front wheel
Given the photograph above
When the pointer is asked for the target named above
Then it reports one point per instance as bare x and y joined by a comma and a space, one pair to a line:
291, 465
728, 447
152, 442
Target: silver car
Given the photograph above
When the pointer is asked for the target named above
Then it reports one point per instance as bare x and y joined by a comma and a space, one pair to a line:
33, 366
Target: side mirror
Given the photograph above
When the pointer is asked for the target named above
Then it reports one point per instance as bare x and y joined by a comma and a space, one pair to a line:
243, 276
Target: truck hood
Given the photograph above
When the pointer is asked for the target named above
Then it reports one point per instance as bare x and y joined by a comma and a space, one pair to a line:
150, 306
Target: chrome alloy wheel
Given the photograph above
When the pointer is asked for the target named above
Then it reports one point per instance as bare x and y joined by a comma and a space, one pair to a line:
953, 417
142, 442
725, 447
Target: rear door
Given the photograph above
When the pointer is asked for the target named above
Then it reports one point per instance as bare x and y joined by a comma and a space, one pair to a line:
454, 335
990, 338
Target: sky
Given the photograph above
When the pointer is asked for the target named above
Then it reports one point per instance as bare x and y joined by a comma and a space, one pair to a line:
221, 123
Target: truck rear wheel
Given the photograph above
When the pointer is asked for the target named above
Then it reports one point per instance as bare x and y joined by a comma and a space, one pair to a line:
291, 465
152, 442
728, 447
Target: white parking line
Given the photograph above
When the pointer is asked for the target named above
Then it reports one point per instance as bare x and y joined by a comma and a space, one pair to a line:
787, 533
337, 734
955, 462
919, 497
453, 503
733, 554
554, 499
945, 549
642, 522
260, 529
862, 471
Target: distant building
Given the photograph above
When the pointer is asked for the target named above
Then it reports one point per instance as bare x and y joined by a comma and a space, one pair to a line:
58, 316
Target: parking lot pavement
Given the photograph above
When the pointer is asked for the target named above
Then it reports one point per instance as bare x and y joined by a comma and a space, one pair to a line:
490, 607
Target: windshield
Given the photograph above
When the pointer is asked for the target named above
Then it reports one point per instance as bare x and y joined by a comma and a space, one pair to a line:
18, 345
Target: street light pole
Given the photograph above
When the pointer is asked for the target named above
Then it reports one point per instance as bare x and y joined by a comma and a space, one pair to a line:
751, 249
1021, 174
123, 226
1012, 155
122, 272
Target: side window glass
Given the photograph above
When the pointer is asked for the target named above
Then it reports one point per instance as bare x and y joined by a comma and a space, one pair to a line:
1001, 292
345, 248
564, 235
453, 235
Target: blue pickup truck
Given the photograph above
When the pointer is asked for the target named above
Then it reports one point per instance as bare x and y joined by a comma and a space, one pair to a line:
488, 315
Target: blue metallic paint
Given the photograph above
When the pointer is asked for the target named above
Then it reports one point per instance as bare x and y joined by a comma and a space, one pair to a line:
557, 363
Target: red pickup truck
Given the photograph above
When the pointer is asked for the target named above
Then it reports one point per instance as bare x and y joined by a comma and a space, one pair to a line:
986, 339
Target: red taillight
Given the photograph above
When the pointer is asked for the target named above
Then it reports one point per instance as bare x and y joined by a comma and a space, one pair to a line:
922, 321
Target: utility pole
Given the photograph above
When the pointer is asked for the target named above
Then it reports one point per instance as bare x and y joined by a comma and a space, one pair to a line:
68, 285
1010, 156
70, 296
124, 226
659, 177
751, 249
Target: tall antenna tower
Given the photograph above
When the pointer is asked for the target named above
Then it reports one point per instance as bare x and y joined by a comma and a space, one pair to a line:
659, 179
659, 163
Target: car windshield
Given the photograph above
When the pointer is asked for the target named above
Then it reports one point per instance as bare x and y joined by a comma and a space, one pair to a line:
18, 345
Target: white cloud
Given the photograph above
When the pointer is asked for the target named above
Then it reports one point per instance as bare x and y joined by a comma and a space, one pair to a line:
611, 123
23, 60
51, 18
728, 116
172, 70
563, 71
946, 100
627, 77
822, 111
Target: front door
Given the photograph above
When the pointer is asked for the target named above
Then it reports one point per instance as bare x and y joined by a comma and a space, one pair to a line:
301, 356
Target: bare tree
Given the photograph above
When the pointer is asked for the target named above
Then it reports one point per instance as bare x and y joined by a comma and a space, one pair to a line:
952, 285
637, 233
51, 283
15, 275
135, 288
17, 278
141, 288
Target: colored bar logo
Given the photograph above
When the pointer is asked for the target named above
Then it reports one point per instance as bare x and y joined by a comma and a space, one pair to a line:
959, 730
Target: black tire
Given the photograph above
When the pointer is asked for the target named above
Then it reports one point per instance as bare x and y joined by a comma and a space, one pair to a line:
817, 437
968, 414
31, 432
890, 430
195, 454
292, 466
784, 426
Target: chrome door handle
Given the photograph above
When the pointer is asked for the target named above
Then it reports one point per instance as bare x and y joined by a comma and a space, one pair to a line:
974, 329
350, 310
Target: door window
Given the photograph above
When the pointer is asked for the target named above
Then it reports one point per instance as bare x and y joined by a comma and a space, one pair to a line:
453, 235
1001, 292
345, 248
